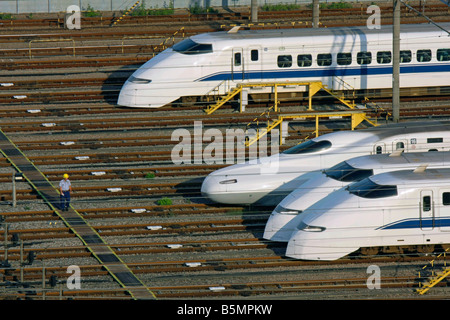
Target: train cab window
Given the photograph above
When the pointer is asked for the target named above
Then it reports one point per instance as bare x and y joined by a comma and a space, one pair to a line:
304, 60
423, 55
189, 46
446, 198
324, 59
237, 59
426, 203
405, 56
443, 54
384, 57
364, 57
254, 55
284, 61
368, 189
309, 147
347, 173
344, 58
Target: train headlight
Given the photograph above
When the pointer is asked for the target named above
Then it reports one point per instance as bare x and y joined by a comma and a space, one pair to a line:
281, 210
230, 181
304, 227
138, 80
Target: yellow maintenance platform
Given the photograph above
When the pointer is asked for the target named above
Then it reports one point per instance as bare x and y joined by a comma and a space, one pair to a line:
357, 115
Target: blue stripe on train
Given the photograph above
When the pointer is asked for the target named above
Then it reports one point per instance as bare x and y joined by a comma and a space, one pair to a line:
325, 72
417, 223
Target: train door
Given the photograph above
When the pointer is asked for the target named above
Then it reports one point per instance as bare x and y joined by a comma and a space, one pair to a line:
427, 213
253, 67
444, 210
237, 64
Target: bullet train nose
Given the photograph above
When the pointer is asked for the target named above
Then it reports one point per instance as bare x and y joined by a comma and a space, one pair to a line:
279, 227
127, 97
238, 184
217, 188
143, 95
213, 189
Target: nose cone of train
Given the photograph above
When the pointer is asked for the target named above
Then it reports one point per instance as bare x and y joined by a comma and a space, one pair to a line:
280, 227
237, 184
143, 95
303, 247
213, 189
127, 96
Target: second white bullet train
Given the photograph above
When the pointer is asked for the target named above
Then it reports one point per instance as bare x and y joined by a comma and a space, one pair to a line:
399, 211
286, 216
268, 180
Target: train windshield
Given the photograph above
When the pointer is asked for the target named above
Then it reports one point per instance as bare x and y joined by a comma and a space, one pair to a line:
346, 173
368, 189
189, 46
309, 147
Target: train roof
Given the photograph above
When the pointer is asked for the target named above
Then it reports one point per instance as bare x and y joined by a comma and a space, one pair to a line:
372, 134
405, 158
285, 34
409, 127
425, 178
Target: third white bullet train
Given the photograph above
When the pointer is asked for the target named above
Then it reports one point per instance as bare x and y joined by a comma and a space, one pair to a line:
392, 212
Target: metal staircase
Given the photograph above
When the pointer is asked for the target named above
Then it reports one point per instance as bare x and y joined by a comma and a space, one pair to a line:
126, 13
435, 277
224, 99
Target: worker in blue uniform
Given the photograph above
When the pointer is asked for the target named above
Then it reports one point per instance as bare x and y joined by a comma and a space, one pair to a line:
65, 189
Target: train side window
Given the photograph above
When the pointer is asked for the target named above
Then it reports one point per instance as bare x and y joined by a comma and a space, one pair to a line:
443, 54
304, 60
423, 55
399, 145
384, 57
254, 55
446, 198
237, 59
435, 140
324, 59
344, 58
364, 57
405, 56
426, 203
285, 61
379, 150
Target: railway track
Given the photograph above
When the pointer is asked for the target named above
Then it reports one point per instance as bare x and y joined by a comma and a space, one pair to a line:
152, 121
238, 14
193, 209
224, 288
191, 227
185, 189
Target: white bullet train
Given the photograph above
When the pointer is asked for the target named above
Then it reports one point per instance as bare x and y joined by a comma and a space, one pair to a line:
400, 211
270, 179
286, 216
357, 56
